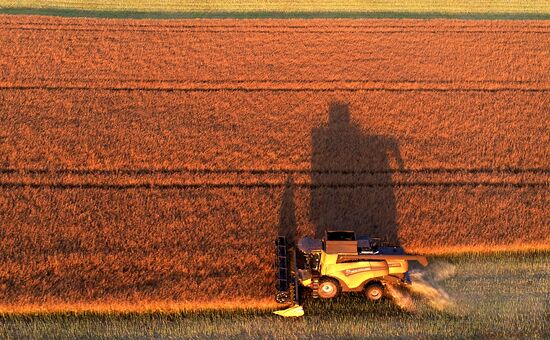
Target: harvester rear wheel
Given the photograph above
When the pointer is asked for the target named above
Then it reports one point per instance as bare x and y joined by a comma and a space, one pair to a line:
328, 288
374, 291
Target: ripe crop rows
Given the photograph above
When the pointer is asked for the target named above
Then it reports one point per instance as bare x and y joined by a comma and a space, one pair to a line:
154, 162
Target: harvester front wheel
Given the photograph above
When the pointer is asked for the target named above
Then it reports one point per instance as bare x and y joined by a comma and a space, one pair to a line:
328, 288
282, 297
374, 292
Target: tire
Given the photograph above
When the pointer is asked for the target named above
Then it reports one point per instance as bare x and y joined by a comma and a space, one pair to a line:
374, 292
282, 297
328, 288
315, 288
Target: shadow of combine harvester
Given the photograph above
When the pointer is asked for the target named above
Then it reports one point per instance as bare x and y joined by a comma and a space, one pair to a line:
353, 210
351, 181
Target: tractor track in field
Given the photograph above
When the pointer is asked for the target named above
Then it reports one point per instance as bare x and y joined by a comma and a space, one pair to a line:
236, 89
20, 78
144, 171
276, 85
120, 179
281, 86
159, 186
313, 24
278, 26
270, 31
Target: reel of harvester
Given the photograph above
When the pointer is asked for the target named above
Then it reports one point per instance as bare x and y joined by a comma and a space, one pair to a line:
286, 280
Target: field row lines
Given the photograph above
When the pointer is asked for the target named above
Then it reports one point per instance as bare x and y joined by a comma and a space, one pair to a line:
228, 82
276, 24
142, 178
227, 185
283, 24
277, 85
273, 31
236, 89
287, 171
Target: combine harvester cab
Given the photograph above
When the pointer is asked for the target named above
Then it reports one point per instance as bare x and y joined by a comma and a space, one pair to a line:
338, 263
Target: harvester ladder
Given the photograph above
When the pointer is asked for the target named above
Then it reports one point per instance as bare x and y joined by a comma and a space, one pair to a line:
283, 270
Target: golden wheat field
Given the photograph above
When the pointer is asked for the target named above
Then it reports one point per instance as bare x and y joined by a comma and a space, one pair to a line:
150, 164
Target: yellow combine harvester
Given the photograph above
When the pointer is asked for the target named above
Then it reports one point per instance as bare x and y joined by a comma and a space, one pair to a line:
338, 263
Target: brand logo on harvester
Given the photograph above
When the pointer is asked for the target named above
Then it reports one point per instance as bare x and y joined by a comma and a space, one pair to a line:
349, 272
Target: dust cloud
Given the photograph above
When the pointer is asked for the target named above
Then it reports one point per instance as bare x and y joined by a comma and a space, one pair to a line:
426, 286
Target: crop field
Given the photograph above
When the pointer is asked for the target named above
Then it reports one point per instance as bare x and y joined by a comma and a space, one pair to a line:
149, 164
